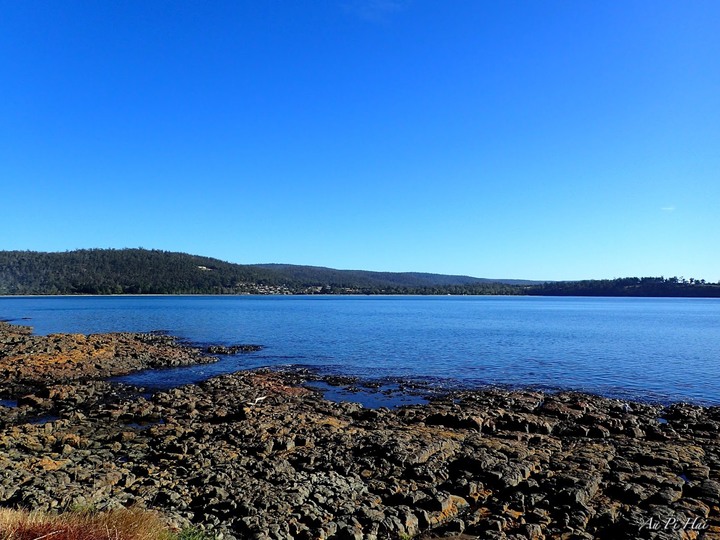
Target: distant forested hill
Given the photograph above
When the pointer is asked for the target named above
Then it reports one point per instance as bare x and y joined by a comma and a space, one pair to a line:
633, 286
363, 278
142, 271
124, 271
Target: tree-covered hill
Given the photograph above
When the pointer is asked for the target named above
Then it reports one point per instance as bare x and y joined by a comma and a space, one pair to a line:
142, 271
632, 286
311, 275
125, 271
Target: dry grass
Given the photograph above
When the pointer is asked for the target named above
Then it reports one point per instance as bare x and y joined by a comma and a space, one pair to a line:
113, 525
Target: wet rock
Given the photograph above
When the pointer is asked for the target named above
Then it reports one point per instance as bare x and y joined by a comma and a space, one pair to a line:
233, 349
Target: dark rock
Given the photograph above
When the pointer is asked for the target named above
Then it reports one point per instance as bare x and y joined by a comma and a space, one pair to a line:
255, 455
456, 421
233, 349
709, 490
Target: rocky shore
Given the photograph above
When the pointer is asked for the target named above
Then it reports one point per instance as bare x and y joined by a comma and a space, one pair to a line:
27, 360
255, 454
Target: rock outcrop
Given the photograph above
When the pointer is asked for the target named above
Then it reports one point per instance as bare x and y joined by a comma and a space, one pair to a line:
256, 455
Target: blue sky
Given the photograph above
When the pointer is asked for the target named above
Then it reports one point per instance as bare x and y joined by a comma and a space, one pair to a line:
539, 140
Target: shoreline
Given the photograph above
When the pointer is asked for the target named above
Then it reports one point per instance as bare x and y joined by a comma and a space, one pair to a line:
663, 386
256, 454
357, 295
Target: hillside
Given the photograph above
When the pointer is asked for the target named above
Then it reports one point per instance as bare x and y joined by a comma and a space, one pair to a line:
632, 286
125, 271
363, 278
142, 271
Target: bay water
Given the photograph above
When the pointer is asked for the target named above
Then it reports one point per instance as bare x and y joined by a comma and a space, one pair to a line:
654, 349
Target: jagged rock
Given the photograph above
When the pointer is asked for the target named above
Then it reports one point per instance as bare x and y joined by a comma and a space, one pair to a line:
233, 349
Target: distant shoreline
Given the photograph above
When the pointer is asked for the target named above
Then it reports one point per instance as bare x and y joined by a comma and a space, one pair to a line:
109, 272
348, 295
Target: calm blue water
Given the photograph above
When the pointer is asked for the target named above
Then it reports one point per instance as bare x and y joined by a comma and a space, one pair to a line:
641, 348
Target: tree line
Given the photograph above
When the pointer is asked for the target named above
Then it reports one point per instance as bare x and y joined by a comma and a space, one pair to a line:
125, 271
142, 271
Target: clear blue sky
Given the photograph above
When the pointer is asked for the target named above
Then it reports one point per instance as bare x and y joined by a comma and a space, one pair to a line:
540, 140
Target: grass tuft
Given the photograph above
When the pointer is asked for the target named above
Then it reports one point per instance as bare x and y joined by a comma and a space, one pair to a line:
191, 533
124, 524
